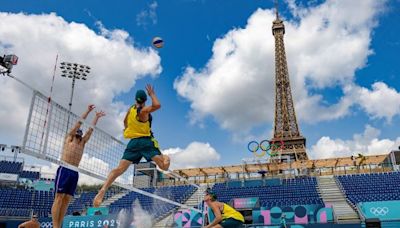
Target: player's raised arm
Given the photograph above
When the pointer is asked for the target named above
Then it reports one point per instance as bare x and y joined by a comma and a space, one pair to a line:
78, 124
155, 103
94, 122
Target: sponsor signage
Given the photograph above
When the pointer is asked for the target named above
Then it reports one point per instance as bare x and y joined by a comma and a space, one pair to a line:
97, 211
91, 221
384, 210
8, 177
246, 203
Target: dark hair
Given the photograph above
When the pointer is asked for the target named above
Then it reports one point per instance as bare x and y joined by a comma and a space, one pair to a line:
140, 96
212, 194
98, 212
76, 213
79, 133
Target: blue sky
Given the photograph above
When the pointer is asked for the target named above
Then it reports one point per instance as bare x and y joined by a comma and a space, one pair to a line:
354, 72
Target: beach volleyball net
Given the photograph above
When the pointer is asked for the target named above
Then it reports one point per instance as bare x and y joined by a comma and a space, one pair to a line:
45, 133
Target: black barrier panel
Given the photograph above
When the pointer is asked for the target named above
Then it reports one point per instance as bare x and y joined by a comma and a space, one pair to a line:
372, 223
326, 225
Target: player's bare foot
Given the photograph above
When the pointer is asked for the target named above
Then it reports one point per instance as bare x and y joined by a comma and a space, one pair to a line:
166, 162
99, 198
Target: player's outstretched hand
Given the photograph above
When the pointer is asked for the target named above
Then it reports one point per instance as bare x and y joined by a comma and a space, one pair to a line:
150, 89
91, 107
100, 114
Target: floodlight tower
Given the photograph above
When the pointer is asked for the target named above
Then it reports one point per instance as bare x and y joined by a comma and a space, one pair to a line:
7, 62
75, 71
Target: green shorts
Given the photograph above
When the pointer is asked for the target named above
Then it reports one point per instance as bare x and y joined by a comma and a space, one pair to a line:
137, 148
231, 223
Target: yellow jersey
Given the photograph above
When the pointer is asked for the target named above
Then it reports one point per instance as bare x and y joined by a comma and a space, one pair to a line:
229, 212
136, 128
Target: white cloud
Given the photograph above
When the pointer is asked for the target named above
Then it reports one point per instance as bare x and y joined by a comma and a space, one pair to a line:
367, 143
236, 86
147, 16
196, 154
116, 64
379, 102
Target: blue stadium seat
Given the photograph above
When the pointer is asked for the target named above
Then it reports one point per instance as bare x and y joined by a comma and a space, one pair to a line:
370, 187
154, 207
297, 191
30, 175
10, 167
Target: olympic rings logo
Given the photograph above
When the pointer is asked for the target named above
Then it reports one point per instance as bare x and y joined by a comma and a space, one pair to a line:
379, 211
46, 225
267, 147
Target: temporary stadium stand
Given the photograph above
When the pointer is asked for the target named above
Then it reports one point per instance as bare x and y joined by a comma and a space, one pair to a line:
298, 191
155, 207
30, 175
15, 167
370, 187
85, 200
20, 202
10, 167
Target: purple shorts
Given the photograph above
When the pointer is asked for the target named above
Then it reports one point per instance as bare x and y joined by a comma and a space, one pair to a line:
66, 181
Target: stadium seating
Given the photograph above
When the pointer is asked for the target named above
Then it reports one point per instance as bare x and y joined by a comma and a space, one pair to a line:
156, 208
20, 202
30, 175
298, 191
14, 202
370, 187
85, 200
10, 167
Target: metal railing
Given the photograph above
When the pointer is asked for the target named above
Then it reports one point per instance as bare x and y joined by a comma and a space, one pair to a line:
11, 159
289, 224
338, 170
360, 214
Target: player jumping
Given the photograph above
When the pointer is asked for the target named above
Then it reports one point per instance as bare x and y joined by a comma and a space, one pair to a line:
142, 143
66, 178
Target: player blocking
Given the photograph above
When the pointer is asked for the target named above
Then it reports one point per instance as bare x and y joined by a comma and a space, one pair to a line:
67, 176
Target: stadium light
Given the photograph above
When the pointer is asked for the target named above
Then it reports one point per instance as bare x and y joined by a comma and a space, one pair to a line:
75, 71
15, 149
7, 62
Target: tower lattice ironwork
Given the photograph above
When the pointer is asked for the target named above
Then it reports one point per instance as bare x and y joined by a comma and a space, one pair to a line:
286, 128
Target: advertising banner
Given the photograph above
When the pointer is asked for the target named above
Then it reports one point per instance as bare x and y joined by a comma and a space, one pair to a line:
246, 203
43, 185
103, 221
296, 214
8, 177
384, 210
97, 211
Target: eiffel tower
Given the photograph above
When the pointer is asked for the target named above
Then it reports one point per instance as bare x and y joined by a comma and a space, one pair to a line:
286, 129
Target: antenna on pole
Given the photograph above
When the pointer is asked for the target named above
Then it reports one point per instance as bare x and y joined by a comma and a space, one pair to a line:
276, 9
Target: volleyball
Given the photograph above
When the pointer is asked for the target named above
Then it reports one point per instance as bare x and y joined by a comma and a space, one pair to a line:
158, 42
